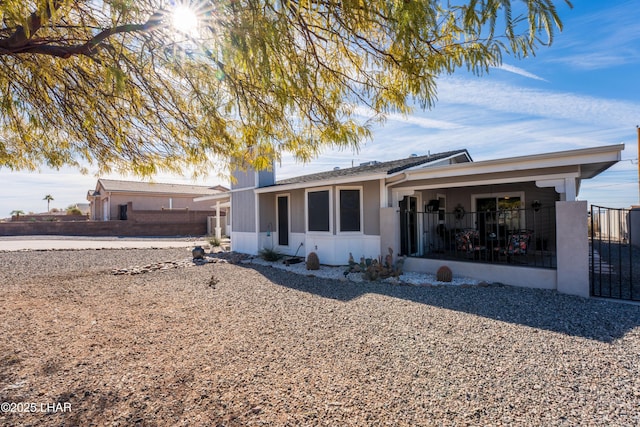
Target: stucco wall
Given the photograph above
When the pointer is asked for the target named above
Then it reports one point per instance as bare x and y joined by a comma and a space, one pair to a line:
102, 228
573, 248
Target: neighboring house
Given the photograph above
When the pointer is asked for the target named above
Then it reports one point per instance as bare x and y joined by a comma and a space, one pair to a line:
479, 218
114, 199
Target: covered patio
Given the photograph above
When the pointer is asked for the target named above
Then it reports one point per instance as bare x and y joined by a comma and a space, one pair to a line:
514, 220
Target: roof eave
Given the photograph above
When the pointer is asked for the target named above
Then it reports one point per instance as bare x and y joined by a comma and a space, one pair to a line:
322, 183
607, 156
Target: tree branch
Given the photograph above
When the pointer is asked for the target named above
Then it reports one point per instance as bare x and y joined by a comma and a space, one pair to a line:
13, 45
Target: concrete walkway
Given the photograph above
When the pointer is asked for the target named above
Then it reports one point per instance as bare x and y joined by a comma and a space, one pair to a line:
22, 243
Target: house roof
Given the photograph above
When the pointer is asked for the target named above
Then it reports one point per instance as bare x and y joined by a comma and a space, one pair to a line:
377, 168
117, 186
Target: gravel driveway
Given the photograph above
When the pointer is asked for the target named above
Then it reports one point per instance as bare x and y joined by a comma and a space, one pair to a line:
248, 345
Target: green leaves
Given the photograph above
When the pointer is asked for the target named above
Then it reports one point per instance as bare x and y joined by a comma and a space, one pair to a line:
94, 82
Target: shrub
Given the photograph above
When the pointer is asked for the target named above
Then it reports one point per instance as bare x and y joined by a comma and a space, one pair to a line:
270, 254
213, 241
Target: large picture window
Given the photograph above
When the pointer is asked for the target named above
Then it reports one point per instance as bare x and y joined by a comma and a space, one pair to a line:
506, 210
318, 209
349, 210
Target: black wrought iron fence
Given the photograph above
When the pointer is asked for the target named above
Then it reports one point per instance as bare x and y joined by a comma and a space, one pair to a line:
613, 258
524, 237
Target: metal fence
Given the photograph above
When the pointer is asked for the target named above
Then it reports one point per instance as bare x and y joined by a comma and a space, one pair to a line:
524, 237
614, 260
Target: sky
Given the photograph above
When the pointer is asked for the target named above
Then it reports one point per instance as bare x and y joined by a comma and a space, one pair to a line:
582, 92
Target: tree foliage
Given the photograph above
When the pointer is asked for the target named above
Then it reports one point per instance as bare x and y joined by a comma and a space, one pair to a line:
113, 85
49, 199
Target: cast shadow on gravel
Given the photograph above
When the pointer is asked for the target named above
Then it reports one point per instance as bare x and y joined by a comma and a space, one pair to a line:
593, 319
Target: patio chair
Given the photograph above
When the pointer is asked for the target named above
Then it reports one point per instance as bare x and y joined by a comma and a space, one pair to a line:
518, 243
468, 241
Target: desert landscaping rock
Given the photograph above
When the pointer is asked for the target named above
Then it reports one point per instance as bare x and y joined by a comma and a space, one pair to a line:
222, 344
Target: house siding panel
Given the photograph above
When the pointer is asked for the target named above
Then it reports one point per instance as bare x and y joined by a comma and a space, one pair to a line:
244, 179
297, 211
371, 197
243, 210
267, 212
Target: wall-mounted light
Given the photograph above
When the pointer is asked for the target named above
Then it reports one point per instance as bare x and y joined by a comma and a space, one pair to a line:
536, 205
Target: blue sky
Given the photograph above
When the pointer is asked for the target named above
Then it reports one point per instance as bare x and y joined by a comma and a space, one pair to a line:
583, 91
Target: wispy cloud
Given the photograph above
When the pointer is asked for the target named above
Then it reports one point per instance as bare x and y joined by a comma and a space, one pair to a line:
422, 122
607, 38
541, 103
519, 71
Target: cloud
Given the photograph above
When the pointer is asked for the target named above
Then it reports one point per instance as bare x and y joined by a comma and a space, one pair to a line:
503, 97
519, 71
422, 122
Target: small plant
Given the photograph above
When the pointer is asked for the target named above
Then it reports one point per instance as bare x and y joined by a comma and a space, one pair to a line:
376, 268
313, 262
214, 241
270, 254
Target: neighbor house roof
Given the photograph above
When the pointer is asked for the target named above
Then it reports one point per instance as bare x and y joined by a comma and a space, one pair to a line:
117, 186
379, 168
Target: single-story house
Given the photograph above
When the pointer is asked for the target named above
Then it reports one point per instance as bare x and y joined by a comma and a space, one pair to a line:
117, 200
513, 220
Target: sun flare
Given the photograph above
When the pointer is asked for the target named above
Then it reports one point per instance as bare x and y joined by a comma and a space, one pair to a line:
184, 19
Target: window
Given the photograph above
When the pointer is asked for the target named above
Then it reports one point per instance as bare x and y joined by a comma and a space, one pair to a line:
503, 210
318, 209
349, 210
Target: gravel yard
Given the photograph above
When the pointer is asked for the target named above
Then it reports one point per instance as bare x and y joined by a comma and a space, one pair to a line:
247, 345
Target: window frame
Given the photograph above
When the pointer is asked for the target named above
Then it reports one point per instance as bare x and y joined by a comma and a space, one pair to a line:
306, 209
359, 188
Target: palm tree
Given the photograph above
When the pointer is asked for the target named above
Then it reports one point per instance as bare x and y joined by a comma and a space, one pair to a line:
17, 213
48, 198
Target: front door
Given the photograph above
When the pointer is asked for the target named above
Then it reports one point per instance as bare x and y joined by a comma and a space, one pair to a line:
283, 220
408, 225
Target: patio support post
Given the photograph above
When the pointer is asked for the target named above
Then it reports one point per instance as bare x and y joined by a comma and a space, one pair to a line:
572, 248
218, 230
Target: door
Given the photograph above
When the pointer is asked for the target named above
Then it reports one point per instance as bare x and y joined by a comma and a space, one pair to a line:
283, 220
122, 212
486, 210
408, 225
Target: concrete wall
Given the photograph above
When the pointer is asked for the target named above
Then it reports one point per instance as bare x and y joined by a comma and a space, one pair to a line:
528, 277
102, 228
139, 223
49, 218
572, 248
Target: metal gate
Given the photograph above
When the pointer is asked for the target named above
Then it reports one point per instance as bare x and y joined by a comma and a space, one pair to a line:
614, 260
